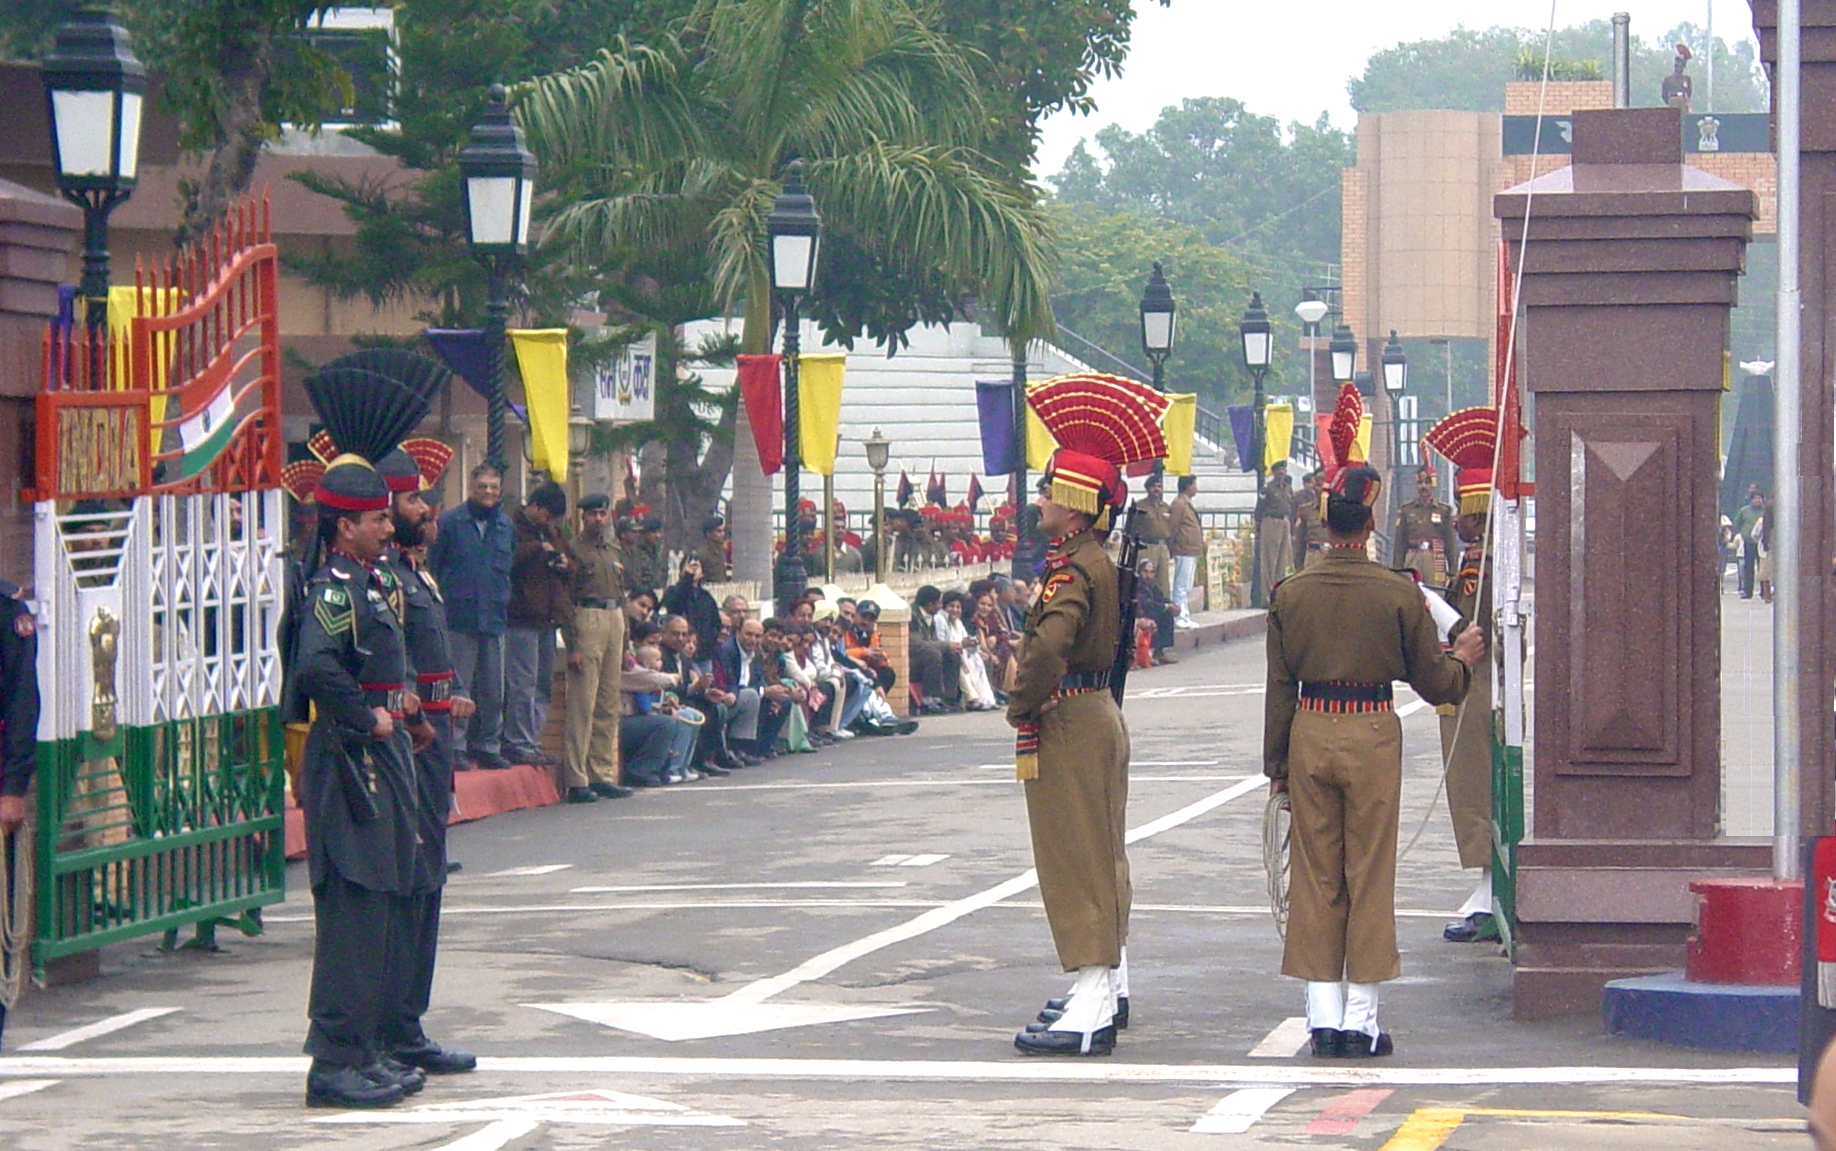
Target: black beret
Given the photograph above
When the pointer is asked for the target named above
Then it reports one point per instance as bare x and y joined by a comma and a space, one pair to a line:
594, 501
711, 523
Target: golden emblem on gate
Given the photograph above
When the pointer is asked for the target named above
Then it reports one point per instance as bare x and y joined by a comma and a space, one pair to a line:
104, 635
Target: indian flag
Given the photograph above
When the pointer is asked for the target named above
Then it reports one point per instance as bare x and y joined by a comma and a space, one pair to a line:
206, 433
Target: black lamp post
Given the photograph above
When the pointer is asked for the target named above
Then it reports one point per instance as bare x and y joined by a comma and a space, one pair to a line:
796, 236
879, 454
1258, 350
1344, 351
95, 88
499, 174
1395, 382
1158, 316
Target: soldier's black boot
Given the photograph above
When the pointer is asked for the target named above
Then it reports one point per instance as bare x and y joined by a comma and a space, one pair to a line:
344, 1086
1326, 1043
434, 1059
1102, 1041
386, 1070
1055, 1009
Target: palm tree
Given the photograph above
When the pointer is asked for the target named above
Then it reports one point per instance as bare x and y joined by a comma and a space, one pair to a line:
681, 145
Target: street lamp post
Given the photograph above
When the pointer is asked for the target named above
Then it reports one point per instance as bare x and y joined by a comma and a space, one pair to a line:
1395, 381
499, 172
95, 88
1158, 317
1344, 352
796, 235
879, 454
1311, 312
1258, 350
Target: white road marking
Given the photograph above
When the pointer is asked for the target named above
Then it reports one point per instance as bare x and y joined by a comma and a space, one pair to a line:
1232, 909
1238, 1111
923, 860
745, 1010
537, 869
514, 1116
889, 861
956, 781
99, 1028
1285, 1041
1011, 1070
24, 1087
799, 884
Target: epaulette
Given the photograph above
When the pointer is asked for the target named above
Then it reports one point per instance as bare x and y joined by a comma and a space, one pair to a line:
1057, 563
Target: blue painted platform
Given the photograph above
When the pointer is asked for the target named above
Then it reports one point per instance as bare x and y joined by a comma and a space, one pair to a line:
1724, 1016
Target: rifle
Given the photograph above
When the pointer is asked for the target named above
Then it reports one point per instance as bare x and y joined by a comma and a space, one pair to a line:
1125, 591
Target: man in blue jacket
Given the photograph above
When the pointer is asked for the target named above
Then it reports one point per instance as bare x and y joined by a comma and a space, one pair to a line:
470, 558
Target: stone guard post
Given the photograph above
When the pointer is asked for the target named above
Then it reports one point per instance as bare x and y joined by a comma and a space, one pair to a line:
1629, 275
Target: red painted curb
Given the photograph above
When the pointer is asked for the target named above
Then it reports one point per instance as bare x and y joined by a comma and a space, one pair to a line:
476, 794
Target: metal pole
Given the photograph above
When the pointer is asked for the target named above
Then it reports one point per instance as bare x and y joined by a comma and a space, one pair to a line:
1709, 48
1160, 385
1020, 430
792, 576
1257, 418
828, 523
497, 313
1622, 60
879, 525
95, 268
1782, 518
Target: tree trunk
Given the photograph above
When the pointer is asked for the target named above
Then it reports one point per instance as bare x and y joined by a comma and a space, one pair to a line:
232, 165
749, 513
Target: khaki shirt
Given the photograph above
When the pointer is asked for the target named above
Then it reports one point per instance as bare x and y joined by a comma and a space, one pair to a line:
1072, 625
1348, 620
1277, 500
1188, 534
1310, 526
713, 559
1420, 524
599, 571
1156, 522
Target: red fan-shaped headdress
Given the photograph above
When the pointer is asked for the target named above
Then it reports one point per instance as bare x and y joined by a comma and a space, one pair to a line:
1102, 424
301, 477
320, 444
1346, 474
431, 456
1469, 440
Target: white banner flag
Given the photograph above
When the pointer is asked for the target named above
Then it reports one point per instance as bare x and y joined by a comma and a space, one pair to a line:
626, 391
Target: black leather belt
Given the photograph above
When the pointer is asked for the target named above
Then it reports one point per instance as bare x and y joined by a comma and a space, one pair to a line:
593, 601
1334, 692
1084, 681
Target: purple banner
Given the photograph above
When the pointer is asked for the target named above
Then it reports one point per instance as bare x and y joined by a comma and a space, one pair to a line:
1243, 430
1001, 448
466, 355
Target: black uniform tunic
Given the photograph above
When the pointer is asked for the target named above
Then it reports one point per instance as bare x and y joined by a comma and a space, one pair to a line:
18, 713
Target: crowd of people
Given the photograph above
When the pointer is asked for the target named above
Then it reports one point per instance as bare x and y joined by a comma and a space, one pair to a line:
665, 684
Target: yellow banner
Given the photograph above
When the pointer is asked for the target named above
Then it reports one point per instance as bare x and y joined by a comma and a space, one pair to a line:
819, 395
1039, 443
122, 308
541, 357
1364, 437
1278, 433
1177, 425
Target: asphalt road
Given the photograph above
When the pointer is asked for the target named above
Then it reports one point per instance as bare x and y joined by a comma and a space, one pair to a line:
833, 951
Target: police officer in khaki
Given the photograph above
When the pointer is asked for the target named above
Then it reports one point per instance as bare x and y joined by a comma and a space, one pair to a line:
595, 657
1154, 524
1275, 516
1309, 523
1425, 539
1339, 634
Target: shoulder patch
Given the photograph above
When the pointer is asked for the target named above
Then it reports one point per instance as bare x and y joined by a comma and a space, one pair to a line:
1057, 563
332, 608
334, 596
1053, 584
24, 626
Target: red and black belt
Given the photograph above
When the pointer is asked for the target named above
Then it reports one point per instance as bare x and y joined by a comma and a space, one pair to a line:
386, 695
1336, 697
436, 690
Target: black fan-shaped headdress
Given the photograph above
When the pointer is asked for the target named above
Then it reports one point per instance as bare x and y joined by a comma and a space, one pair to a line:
369, 401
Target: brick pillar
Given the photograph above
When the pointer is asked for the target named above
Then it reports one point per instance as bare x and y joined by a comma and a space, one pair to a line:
1629, 275
895, 635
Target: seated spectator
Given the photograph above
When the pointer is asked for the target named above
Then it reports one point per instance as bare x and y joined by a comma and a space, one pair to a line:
759, 705
656, 734
862, 644
936, 661
972, 677
781, 669
699, 691
998, 640
734, 611
687, 598
1151, 605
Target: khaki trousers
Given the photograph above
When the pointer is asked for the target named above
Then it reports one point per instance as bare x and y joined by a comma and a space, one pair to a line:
1077, 809
593, 696
1345, 785
1469, 769
1277, 552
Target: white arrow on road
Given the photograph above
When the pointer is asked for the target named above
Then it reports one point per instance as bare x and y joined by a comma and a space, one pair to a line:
512, 1117
747, 1010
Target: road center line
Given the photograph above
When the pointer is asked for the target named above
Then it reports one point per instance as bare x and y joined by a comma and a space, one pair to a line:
788, 885
1239, 1111
760, 990
97, 1029
954, 781
1285, 1041
20, 1087
1012, 1070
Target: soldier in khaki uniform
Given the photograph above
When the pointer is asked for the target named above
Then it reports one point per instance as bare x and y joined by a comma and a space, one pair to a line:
1425, 540
1339, 634
595, 658
1468, 438
1309, 524
1154, 524
1072, 747
1274, 524
713, 550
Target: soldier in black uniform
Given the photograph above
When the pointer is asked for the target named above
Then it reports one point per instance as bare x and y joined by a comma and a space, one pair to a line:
415, 935
358, 786
18, 725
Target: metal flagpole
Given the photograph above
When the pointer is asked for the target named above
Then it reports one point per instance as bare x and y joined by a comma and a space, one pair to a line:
1782, 518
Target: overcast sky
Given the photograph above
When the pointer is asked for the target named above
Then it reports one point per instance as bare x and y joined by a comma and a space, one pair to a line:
1292, 60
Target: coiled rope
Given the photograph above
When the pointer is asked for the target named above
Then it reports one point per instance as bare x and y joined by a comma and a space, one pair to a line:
15, 912
1277, 831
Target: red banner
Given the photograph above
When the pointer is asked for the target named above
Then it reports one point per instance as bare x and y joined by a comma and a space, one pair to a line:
762, 390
